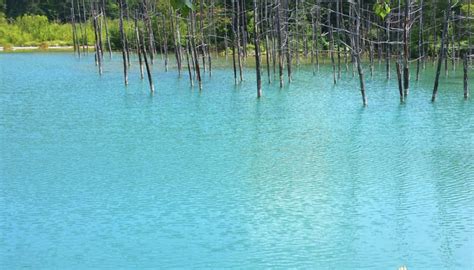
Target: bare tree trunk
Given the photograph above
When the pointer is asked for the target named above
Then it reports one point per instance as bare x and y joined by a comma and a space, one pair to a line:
213, 32
331, 45
75, 36
421, 56
338, 11
239, 49
278, 30
201, 26
257, 49
318, 32
226, 45
441, 52
96, 43
400, 84
107, 35
139, 50
122, 38
313, 41
388, 48
177, 46
188, 51
234, 42
357, 49
244, 28
406, 53
85, 27
149, 29
288, 40
466, 88
371, 58
165, 42
99, 29
267, 47
148, 71
83, 36
453, 44
193, 45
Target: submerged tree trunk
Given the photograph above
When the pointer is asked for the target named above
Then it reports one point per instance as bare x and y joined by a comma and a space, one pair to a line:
81, 29
86, 42
177, 46
420, 43
188, 51
193, 46
357, 49
148, 71
98, 54
406, 53
165, 42
279, 38
239, 43
389, 48
149, 29
331, 46
441, 53
257, 49
400, 84
466, 88
75, 36
139, 51
122, 38
107, 35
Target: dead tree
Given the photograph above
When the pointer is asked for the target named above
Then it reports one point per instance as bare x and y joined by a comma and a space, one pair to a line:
193, 46
149, 30
97, 46
400, 83
280, 43
188, 52
421, 56
442, 51
331, 44
107, 35
406, 53
388, 48
257, 49
357, 49
122, 39
75, 36
139, 45
147, 65
466, 88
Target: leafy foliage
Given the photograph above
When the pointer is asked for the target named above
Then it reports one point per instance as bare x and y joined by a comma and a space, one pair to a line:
32, 30
185, 6
382, 9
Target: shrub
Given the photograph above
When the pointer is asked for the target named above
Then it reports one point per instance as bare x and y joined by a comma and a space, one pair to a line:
43, 46
8, 47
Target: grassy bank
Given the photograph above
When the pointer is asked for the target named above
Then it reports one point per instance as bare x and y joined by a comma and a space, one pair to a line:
33, 30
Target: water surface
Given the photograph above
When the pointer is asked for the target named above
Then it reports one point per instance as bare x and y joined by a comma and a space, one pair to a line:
95, 174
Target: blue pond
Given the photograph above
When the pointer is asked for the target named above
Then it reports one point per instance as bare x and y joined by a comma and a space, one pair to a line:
94, 174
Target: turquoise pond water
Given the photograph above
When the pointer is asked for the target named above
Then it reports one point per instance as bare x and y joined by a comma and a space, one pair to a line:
94, 174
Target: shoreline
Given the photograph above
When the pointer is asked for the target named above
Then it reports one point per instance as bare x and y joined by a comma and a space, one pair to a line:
38, 48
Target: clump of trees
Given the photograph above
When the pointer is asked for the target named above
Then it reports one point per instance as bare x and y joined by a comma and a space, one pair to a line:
33, 30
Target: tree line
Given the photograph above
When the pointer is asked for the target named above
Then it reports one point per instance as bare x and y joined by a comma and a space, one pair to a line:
278, 34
